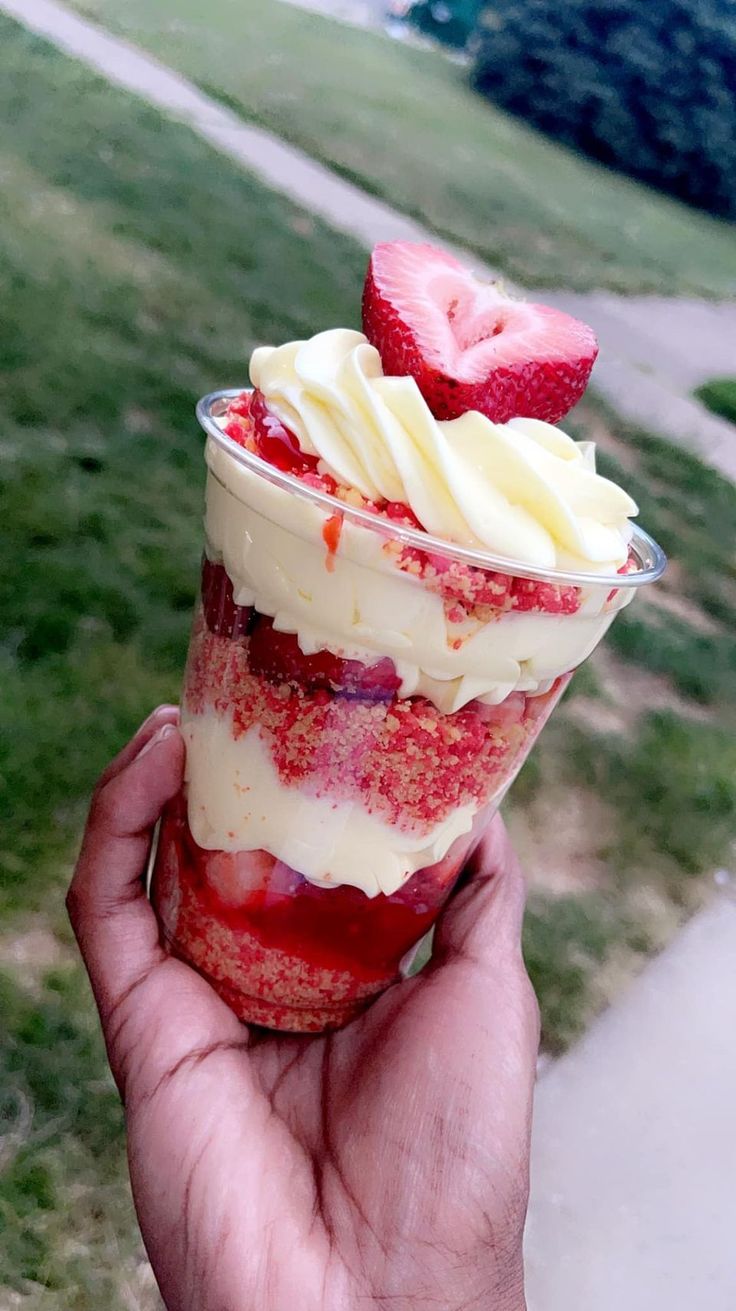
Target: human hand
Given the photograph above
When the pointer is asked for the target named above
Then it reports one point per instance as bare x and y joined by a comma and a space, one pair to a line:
384, 1166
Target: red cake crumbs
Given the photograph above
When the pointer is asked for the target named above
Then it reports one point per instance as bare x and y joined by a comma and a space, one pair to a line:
630, 567
402, 759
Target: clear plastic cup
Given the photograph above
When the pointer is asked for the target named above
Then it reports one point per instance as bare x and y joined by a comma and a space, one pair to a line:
330, 803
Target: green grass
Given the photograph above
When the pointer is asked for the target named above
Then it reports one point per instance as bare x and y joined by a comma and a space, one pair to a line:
137, 270
719, 395
691, 510
63, 1139
670, 782
675, 792
405, 125
566, 940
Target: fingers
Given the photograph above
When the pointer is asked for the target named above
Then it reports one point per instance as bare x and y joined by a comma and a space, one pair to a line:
112, 919
164, 714
483, 920
157, 1014
477, 945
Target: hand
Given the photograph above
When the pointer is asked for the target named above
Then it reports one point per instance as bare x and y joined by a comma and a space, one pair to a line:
384, 1166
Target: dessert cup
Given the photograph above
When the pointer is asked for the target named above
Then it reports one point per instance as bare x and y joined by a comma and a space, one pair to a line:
358, 698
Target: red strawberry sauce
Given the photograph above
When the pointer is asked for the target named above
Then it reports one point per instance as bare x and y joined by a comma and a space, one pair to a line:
291, 955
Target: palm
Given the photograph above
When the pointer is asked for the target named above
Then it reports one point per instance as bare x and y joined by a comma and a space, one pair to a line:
384, 1165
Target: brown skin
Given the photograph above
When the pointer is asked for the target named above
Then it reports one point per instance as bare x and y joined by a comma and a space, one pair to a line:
382, 1167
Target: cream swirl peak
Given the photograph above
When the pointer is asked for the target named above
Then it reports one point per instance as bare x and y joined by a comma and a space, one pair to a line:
522, 489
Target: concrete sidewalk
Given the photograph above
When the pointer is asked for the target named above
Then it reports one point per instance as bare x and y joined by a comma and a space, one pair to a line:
654, 353
651, 349
634, 1156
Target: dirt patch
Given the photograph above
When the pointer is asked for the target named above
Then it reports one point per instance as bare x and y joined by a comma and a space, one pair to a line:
558, 837
598, 431
658, 919
30, 954
680, 607
630, 692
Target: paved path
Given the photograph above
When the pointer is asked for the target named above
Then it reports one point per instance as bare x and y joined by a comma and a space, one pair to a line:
652, 350
634, 1156
359, 13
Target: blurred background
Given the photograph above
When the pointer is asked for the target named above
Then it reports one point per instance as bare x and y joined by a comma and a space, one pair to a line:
586, 151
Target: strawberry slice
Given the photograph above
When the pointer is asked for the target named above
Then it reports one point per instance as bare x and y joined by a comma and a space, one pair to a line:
469, 345
506, 714
279, 658
236, 875
222, 616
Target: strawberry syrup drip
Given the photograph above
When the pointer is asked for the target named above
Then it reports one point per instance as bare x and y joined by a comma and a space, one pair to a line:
276, 443
331, 537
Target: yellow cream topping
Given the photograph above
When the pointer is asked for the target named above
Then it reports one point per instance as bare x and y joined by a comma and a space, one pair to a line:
522, 489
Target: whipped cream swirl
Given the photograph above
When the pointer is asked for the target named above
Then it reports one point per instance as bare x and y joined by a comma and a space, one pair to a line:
522, 489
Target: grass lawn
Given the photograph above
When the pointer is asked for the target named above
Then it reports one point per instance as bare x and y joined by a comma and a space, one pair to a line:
404, 124
719, 395
630, 797
137, 269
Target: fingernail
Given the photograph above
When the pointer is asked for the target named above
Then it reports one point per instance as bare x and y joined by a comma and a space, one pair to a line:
159, 736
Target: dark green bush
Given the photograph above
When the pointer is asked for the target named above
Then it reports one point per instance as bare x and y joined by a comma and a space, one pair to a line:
449, 21
647, 86
720, 396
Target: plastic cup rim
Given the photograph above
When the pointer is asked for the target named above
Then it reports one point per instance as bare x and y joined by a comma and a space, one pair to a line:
650, 557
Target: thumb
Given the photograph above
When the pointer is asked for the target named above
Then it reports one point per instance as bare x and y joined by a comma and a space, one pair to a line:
156, 1012
477, 957
482, 922
113, 921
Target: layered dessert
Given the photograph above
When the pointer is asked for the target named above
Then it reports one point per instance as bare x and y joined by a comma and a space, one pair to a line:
405, 559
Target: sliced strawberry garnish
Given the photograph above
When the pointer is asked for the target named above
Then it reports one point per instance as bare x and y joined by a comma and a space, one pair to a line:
222, 616
469, 345
279, 658
275, 442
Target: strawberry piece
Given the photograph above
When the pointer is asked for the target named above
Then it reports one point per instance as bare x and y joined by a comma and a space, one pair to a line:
275, 442
506, 714
240, 405
539, 707
321, 482
279, 658
236, 875
469, 345
401, 513
235, 431
630, 567
223, 617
